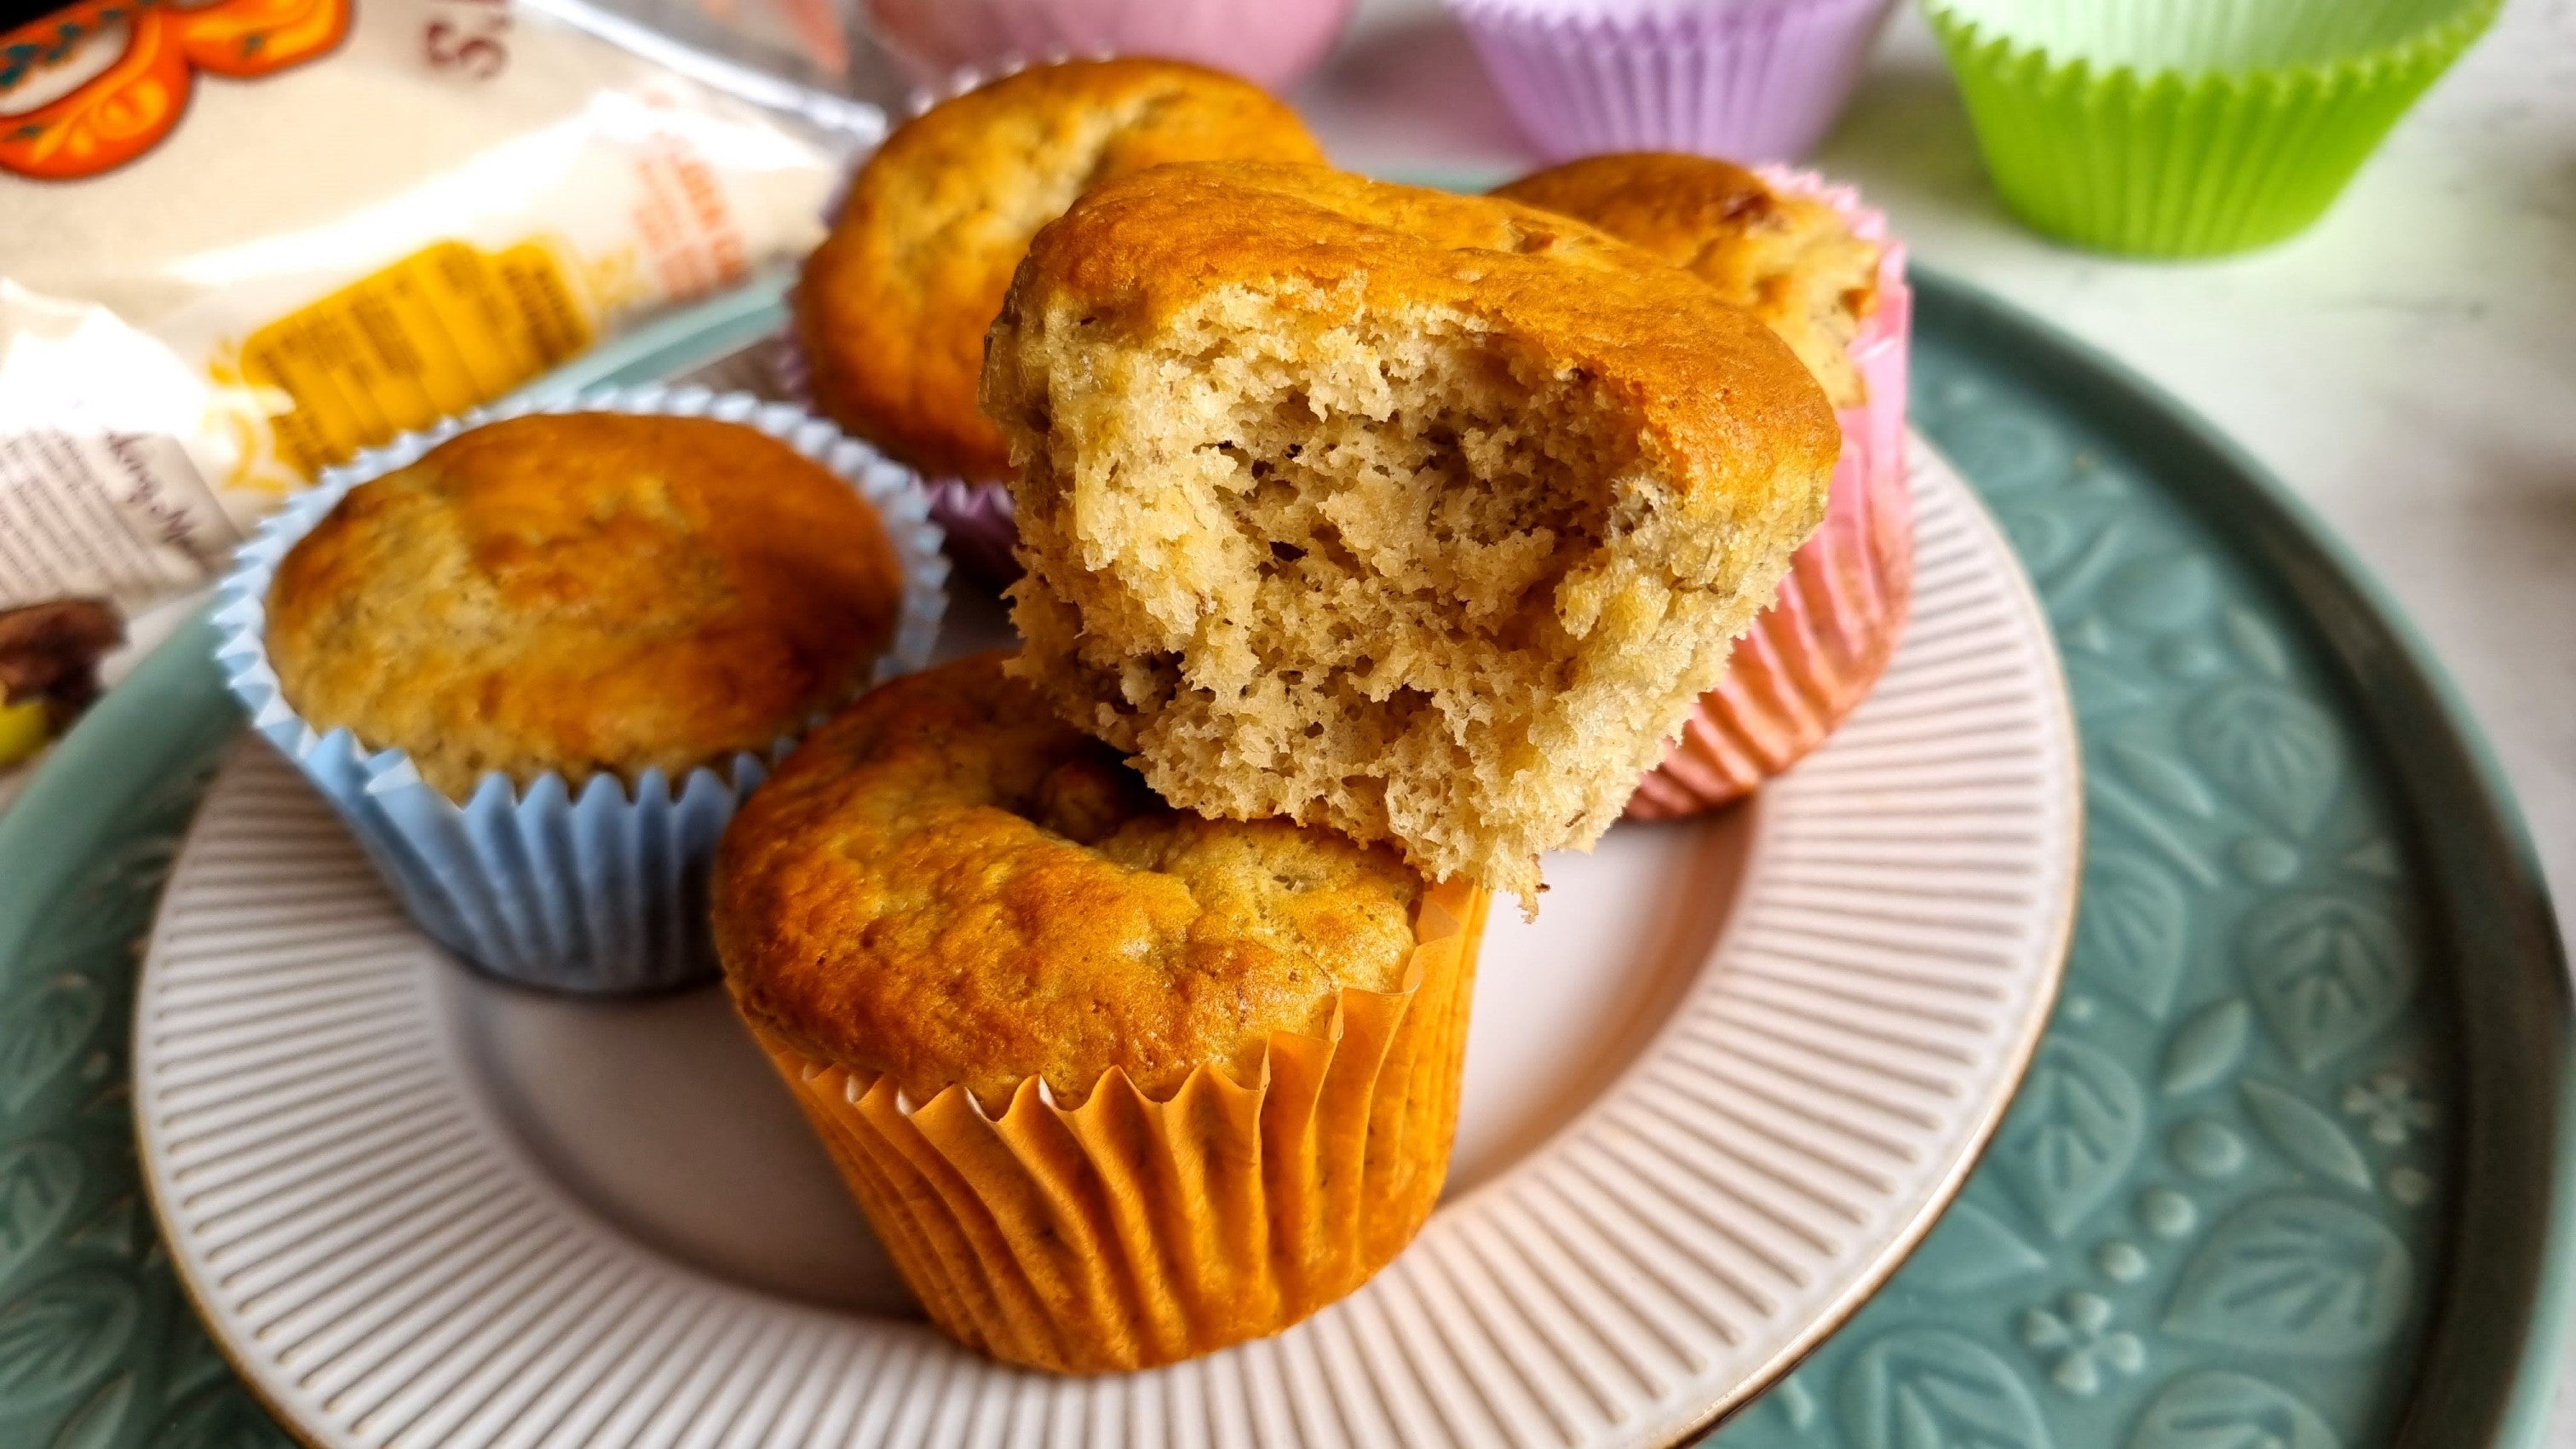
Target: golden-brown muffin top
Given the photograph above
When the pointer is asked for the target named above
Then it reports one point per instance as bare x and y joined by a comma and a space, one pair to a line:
1422, 515
1722, 401
893, 307
585, 593
1793, 260
945, 884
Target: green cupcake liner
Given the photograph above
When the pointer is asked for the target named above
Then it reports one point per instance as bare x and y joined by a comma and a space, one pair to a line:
2193, 129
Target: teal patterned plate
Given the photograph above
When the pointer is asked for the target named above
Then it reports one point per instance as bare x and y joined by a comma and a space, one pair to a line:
2291, 1171
2292, 1168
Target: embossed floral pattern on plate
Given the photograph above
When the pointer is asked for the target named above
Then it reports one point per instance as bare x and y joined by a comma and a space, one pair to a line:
2208, 1222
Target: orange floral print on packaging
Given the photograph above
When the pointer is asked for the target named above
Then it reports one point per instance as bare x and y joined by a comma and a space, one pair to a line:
126, 109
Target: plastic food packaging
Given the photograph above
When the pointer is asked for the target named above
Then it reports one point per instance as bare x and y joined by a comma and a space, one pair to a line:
241, 241
49, 657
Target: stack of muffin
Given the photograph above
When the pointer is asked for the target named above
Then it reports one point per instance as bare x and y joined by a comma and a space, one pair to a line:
1374, 539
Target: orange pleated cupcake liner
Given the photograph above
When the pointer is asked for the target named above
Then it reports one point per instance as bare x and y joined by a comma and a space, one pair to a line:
1815, 654
1127, 1232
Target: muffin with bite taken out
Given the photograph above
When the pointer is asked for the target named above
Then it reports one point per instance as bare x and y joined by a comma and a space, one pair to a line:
1819, 269
1424, 516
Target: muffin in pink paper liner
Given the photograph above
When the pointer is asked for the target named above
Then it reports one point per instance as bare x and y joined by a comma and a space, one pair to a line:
1755, 78
1822, 271
1273, 42
1815, 654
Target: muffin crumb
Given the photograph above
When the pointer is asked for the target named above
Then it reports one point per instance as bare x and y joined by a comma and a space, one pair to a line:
1422, 516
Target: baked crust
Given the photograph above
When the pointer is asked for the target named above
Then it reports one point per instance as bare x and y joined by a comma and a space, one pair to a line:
892, 308
1791, 260
1420, 515
584, 593
947, 885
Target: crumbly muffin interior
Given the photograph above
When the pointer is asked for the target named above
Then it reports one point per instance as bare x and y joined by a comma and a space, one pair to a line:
1404, 579
949, 884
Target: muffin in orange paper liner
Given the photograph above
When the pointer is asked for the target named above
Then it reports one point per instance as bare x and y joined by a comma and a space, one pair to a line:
1821, 269
1117, 1085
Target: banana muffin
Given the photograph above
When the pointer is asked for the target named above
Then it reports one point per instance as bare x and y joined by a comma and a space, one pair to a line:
892, 309
584, 593
1117, 1084
1793, 260
1419, 515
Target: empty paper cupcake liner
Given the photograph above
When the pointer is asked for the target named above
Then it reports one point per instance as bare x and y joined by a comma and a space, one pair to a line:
1271, 43
1128, 1231
1815, 654
1747, 79
600, 890
2191, 129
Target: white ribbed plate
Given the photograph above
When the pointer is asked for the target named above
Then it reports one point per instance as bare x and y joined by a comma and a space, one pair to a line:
1713, 1096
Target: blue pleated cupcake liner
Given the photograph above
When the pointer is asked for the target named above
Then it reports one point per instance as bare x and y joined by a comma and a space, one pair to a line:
600, 891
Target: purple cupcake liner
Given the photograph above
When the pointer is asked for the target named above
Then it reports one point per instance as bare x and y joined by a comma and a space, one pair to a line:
981, 529
1749, 80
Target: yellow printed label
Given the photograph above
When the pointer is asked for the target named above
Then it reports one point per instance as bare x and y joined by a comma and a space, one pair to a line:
24, 728
444, 329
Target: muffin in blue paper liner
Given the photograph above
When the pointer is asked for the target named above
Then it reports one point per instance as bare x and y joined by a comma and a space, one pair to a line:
600, 889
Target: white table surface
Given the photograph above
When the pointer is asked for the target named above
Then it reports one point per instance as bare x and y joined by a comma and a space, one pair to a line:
2408, 365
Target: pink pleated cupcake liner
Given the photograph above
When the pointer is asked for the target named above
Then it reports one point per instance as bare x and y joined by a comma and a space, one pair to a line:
1759, 80
1271, 43
1814, 655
